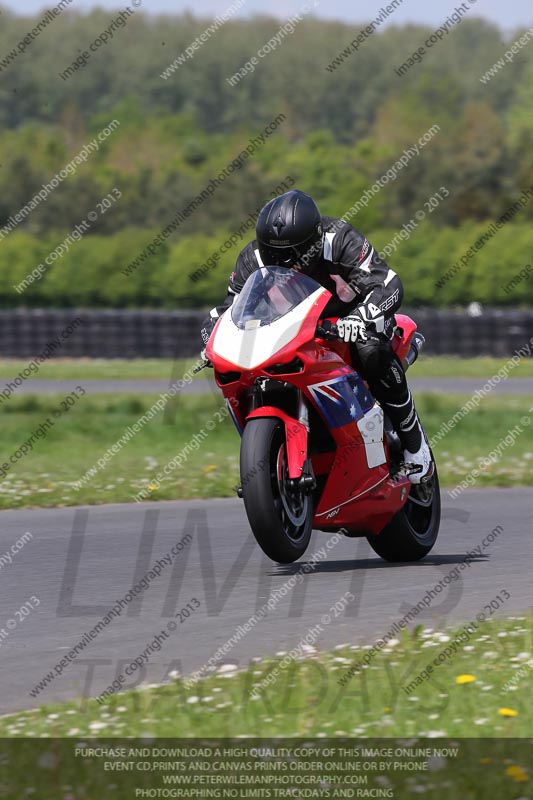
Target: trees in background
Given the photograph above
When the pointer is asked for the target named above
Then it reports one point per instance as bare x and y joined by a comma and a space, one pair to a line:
343, 130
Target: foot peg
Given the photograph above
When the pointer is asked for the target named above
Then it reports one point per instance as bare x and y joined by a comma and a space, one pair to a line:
403, 469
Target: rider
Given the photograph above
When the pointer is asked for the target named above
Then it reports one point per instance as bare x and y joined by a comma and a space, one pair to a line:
366, 293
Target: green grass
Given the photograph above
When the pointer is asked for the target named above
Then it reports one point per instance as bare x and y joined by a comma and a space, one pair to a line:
46, 475
306, 697
455, 367
99, 368
477, 702
163, 369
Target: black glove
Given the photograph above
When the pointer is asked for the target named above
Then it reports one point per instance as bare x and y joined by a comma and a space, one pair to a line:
207, 329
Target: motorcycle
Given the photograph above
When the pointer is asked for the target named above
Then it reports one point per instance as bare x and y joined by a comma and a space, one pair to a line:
317, 450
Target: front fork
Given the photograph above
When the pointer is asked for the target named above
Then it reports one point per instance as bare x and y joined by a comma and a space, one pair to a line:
300, 471
307, 482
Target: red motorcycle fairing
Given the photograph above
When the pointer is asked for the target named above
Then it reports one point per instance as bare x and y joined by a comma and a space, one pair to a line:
406, 329
355, 491
296, 437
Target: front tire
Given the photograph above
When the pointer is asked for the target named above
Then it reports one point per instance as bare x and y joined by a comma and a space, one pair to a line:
413, 531
280, 516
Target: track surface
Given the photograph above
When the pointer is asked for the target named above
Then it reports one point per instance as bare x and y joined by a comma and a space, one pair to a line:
518, 386
224, 569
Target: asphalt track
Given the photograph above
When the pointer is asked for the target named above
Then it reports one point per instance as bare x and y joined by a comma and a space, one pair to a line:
467, 386
80, 558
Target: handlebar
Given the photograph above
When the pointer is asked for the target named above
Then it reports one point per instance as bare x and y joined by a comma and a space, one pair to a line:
202, 366
327, 330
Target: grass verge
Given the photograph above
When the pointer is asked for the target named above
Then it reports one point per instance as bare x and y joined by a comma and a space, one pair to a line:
164, 368
483, 689
48, 474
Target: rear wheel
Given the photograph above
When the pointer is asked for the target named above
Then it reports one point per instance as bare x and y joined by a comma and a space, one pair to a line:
413, 531
280, 515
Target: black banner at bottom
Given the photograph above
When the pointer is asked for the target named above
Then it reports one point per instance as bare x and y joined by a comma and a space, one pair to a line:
127, 769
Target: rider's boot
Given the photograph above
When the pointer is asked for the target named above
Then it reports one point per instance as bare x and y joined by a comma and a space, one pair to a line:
416, 451
396, 400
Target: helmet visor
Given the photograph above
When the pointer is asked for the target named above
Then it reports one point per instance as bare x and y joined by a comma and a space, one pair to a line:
305, 255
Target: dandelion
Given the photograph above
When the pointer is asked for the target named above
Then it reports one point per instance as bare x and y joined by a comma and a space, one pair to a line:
460, 679
507, 712
210, 468
517, 773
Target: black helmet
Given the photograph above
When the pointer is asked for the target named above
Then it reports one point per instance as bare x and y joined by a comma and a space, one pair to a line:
289, 231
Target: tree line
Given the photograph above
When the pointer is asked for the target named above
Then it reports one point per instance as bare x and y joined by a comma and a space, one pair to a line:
343, 130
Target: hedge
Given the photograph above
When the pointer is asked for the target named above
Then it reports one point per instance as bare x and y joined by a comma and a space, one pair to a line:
192, 272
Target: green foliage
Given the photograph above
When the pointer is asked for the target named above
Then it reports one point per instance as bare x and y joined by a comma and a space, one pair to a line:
343, 129
90, 274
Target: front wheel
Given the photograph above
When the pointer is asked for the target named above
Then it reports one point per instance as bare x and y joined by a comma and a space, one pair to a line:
413, 531
281, 516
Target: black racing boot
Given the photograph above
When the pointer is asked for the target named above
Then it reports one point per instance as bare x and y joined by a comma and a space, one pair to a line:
396, 400
412, 436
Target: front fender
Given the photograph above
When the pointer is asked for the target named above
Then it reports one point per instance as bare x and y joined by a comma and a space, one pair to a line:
295, 436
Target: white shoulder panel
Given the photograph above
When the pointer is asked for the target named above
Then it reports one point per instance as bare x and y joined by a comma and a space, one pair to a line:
328, 245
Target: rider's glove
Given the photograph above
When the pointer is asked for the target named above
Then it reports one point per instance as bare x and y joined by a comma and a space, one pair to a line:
373, 317
364, 320
207, 329
352, 328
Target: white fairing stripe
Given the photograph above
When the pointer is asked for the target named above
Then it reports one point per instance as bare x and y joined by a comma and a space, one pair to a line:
328, 245
258, 257
390, 275
250, 348
365, 265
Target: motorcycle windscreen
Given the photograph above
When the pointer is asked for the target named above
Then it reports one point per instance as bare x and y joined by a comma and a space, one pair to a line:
269, 294
266, 315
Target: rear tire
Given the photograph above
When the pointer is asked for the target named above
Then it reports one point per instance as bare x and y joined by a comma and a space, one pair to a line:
281, 518
413, 531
